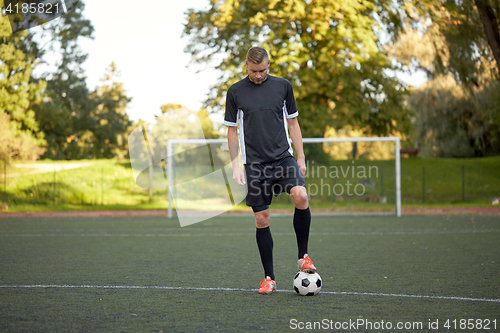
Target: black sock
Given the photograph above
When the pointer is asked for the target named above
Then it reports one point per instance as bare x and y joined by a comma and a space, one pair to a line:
302, 224
265, 244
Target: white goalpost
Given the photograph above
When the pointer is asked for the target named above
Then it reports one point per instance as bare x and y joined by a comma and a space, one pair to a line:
352, 171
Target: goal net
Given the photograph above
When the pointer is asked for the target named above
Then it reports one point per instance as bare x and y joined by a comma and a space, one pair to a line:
347, 176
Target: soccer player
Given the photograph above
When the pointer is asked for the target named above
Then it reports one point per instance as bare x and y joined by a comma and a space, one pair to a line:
262, 105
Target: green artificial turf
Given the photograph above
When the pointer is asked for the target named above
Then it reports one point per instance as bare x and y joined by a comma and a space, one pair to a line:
449, 256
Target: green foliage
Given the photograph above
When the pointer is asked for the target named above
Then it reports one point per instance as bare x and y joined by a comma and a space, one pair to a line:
20, 137
178, 120
66, 110
110, 122
86, 124
457, 112
57, 110
454, 36
17, 143
454, 122
470, 54
328, 50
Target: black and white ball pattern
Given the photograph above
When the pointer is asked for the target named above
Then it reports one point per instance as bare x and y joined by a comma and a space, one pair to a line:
307, 284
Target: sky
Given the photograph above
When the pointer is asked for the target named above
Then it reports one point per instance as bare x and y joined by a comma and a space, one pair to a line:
148, 50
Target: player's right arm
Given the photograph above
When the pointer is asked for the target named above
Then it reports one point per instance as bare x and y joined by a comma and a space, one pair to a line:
231, 120
232, 142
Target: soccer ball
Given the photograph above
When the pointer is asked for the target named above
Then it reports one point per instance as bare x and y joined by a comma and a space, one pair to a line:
307, 284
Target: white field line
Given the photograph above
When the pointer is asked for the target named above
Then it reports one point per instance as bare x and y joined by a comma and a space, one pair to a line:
357, 233
46, 286
251, 229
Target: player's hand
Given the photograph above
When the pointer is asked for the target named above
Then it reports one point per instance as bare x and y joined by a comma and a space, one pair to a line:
302, 165
239, 176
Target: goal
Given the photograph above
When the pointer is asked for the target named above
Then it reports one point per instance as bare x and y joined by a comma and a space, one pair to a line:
345, 176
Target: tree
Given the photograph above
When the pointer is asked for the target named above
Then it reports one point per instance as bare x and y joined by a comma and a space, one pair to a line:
455, 43
110, 122
20, 136
327, 49
462, 38
489, 20
452, 121
65, 112
57, 108
16, 143
378, 150
178, 122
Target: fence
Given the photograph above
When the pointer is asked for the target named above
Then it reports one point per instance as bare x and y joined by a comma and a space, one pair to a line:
455, 184
111, 183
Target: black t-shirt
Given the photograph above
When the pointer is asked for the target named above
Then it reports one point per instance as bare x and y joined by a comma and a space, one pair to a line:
261, 111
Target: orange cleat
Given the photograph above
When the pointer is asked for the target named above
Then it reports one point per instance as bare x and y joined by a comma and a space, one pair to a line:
267, 286
306, 265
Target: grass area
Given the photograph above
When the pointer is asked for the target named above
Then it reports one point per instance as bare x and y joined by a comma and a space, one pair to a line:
449, 256
444, 181
109, 185
104, 184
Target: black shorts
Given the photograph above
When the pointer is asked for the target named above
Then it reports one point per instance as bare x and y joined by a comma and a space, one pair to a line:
266, 179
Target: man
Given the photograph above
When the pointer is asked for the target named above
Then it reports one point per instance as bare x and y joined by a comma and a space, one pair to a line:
262, 105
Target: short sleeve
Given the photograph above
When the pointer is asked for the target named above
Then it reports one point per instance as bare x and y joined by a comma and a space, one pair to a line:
231, 115
291, 108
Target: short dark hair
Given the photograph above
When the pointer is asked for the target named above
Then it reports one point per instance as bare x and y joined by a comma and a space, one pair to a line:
257, 55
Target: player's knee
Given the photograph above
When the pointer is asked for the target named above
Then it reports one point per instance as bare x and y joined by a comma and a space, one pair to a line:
299, 198
262, 219
302, 202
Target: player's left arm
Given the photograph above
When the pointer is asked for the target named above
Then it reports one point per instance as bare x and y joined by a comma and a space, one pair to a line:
296, 136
